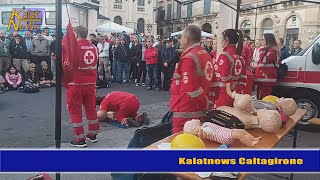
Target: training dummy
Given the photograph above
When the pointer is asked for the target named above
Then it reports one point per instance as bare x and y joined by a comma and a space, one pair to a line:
125, 107
286, 106
219, 134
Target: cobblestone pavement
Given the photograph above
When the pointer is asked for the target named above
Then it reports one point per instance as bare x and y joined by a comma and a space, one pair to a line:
27, 121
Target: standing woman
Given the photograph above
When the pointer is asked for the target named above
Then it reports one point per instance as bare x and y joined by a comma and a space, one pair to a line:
266, 72
142, 74
136, 51
229, 68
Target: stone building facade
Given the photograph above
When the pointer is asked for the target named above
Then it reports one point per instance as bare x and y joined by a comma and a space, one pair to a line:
135, 14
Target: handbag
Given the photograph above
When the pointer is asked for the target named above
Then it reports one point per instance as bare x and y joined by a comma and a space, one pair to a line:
223, 119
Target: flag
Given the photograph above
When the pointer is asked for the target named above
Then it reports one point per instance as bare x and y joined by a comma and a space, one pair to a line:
70, 55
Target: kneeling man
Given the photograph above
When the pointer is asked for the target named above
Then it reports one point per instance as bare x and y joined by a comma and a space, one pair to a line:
125, 107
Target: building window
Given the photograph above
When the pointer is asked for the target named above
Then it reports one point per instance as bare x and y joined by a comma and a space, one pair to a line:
140, 5
189, 10
207, 7
207, 28
50, 17
5, 17
117, 4
169, 11
267, 26
118, 20
178, 11
140, 26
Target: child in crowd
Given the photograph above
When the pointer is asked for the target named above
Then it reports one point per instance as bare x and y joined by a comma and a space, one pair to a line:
46, 76
2, 81
32, 77
101, 81
13, 79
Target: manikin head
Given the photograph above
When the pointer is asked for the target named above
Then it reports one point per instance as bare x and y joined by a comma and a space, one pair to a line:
287, 105
192, 127
269, 120
243, 102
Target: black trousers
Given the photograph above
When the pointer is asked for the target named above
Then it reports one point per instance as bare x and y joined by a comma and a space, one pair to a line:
168, 73
10, 87
142, 72
134, 70
160, 69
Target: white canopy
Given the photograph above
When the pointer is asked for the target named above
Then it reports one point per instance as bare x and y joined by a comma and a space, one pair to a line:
111, 27
203, 34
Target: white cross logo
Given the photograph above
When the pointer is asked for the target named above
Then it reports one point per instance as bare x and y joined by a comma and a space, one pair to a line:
89, 57
238, 67
209, 71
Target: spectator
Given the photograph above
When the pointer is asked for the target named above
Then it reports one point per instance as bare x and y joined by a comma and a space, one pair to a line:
126, 36
93, 39
284, 51
256, 54
13, 79
136, 58
103, 47
41, 50
32, 76
28, 41
47, 35
151, 56
46, 76
142, 74
101, 81
160, 46
4, 52
131, 41
169, 64
247, 51
203, 42
209, 45
18, 51
2, 81
296, 47
122, 54
213, 53
115, 62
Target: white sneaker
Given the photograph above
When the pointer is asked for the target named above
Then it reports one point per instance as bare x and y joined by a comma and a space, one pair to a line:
137, 84
143, 84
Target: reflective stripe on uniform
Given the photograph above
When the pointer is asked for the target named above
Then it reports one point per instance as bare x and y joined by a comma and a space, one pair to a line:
188, 114
236, 77
226, 78
231, 60
80, 136
89, 68
243, 83
197, 62
196, 93
92, 132
202, 52
264, 60
93, 121
212, 94
265, 80
75, 125
265, 65
176, 76
244, 76
218, 84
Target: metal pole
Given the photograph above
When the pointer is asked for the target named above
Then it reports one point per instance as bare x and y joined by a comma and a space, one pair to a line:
238, 14
255, 25
58, 76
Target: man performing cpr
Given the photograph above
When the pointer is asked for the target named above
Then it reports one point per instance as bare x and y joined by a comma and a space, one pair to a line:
125, 107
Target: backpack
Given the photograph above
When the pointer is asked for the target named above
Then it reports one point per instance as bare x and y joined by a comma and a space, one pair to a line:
281, 70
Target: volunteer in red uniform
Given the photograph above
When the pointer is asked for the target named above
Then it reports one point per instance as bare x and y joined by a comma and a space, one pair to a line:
247, 52
125, 106
191, 80
266, 73
82, 91
229, 68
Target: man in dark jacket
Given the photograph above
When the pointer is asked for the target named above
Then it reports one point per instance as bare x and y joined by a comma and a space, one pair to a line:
169, 63
160, 46
284, 51
18, 51
296, 47
122, 55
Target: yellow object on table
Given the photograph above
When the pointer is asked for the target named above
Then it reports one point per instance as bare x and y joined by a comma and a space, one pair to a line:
270, 98
187, 141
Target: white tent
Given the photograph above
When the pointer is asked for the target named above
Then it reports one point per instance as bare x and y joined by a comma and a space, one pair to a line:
203, 34
111, 27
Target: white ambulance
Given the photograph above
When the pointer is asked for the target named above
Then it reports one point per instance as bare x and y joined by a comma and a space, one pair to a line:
303, 81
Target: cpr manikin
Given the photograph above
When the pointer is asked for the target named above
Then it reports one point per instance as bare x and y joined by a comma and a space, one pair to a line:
219, 134
285, 106
267, 120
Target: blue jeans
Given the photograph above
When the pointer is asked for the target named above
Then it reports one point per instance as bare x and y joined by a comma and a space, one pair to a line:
114, 70
153, 74
122, 67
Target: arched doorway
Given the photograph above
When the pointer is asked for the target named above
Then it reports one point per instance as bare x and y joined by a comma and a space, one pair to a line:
245, 27
118, 20
292, 30
207, 28
140, 26
267, 26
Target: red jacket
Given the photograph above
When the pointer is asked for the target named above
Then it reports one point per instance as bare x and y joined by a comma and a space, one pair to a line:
214, 54
265, 71
247, 54
191, 83
114, 100
151, 55
86, 73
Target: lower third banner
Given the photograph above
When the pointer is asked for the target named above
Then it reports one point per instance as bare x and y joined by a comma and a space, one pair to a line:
160, 161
